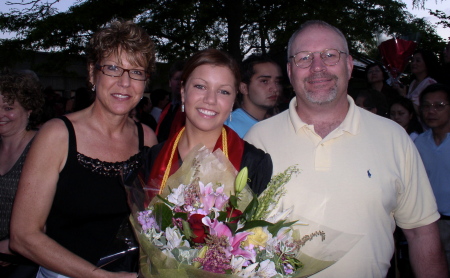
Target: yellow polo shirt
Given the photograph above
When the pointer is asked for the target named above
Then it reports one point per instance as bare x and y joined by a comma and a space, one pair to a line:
361, 179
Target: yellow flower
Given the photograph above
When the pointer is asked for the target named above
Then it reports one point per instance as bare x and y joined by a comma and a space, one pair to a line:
258, 238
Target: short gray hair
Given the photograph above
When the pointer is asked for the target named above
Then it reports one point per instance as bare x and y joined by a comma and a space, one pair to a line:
318, 23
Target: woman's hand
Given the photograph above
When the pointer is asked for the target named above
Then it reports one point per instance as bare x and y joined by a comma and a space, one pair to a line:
400, 88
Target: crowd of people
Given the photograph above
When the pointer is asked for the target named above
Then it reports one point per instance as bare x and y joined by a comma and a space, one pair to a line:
368, 164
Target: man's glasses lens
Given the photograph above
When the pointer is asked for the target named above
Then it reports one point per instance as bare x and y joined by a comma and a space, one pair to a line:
330, 57
436, 106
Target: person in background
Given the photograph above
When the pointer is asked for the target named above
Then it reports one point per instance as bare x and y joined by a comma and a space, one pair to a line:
361, 173
434, 148
172, 118
70, 202
159, 98
83, 99
372, 101
402, 112
376, 79
210, 83
142, 113
260, 88
424, 68
21, 102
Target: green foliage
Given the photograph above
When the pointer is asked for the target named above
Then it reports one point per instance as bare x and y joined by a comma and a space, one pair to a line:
180, 28
272, 194
278, 226
163, 215
253, 224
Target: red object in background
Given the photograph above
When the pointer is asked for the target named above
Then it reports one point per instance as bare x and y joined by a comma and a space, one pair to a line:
395, 54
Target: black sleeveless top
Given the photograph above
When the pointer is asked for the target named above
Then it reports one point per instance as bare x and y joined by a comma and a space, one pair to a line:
90, 201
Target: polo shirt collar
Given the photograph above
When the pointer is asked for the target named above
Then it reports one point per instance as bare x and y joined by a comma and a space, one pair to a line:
350, 124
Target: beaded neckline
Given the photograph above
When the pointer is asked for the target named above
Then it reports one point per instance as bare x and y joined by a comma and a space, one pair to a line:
110, 169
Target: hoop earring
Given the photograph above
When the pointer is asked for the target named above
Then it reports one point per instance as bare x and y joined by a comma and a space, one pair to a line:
93, 88
182, 107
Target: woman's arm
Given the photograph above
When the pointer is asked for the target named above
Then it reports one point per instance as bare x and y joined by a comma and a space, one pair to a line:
34, 198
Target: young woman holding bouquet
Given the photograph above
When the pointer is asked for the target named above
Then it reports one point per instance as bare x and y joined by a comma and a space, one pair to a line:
210, 82
70, 202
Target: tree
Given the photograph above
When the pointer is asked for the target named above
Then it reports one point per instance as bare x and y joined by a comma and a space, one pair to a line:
180, 28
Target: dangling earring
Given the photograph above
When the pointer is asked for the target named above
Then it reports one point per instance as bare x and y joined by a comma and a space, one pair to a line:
230, 117
182, 107
93, 88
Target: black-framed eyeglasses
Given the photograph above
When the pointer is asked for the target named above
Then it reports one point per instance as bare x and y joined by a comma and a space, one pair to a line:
116, 71
440, 106
330, 57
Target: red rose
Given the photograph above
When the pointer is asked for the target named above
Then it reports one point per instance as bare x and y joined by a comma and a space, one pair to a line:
233, 214
198, 228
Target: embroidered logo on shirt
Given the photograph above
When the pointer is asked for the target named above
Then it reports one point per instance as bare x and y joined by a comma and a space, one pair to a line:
369, 174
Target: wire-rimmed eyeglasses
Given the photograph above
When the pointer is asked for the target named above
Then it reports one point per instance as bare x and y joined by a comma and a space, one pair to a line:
330, 57
440, 106
116, 71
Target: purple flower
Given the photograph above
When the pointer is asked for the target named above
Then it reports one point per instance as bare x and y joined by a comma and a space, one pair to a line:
147, 220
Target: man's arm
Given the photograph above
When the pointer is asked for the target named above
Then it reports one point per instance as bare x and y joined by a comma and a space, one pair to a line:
425, 251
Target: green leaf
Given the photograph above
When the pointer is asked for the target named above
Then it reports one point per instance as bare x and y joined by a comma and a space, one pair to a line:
251, 208
253, 224
234, 201
165, 201
187, 231
222, 216
277, 226
232, 227
182, 215
163, 215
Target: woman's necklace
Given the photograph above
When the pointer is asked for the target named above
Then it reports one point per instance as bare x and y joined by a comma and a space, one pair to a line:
175, 147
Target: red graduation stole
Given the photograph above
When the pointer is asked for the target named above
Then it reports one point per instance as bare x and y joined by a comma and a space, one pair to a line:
167, 161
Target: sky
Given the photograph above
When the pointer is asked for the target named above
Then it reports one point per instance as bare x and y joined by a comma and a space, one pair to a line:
443, 5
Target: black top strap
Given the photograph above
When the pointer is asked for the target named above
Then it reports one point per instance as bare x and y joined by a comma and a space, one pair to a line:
140, 135
72, 137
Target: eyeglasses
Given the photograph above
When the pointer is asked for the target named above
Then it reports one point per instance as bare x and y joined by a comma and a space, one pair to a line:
116, 71
330, 57
436, 106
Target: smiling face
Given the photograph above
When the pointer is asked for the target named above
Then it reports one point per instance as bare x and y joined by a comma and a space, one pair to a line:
400, 115
13, 117
319, 84
264, 87
118, 95
208, 97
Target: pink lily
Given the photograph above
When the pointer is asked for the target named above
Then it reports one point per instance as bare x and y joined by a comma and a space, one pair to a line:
218, 228
207, 196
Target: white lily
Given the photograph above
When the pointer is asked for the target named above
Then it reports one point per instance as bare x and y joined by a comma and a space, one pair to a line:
177, 195
174, 239
249, 271
266, 269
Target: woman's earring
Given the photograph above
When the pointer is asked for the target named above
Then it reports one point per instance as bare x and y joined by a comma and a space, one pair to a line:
182, 107
230, 117
93, 88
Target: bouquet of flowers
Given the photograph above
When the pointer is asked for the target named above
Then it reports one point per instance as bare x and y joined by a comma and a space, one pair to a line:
208, 223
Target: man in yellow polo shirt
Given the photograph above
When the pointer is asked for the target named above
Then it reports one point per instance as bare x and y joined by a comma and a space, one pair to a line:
360, 173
